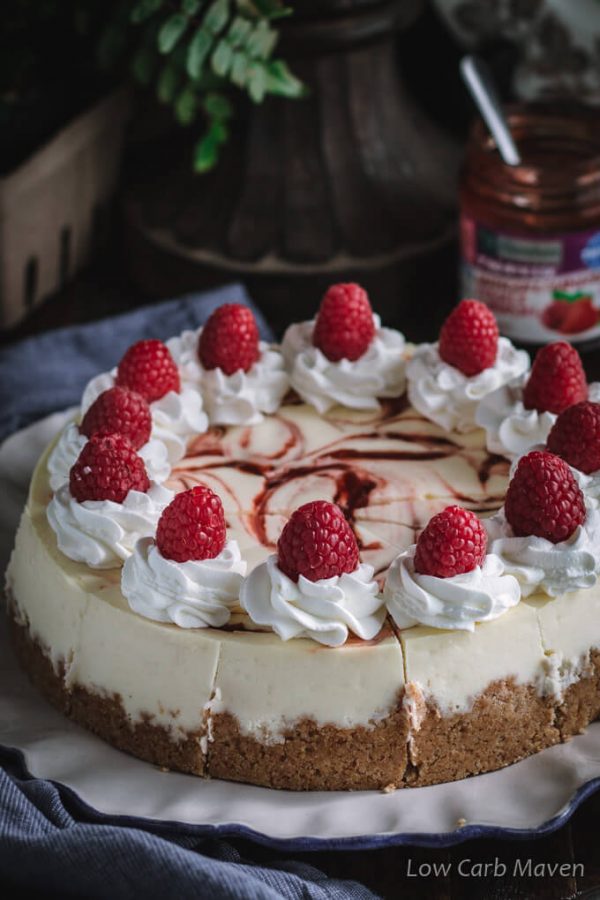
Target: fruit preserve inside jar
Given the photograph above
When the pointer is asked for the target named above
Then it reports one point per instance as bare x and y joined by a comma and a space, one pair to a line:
530, 234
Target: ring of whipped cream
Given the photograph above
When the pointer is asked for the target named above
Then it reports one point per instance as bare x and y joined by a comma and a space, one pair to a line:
379, 372
449, 398
455, 603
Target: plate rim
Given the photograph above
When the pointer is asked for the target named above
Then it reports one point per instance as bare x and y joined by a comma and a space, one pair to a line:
311, 843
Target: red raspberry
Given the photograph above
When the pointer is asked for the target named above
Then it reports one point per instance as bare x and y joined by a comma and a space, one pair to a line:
469, 338
454, 541
119, 411
575, 436
317, 542
149, 369
557, 379
192, 526
344, 328
543, 498
229, 340
107, 469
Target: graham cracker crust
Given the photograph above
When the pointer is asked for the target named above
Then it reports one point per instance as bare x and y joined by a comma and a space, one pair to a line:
312, 757
507, 723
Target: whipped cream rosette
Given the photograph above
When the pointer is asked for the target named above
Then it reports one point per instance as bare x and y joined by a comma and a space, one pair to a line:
102, 533
448, 579
315, 586
358, 383
197, 593
326, 610
447, 396
542, 566
241, 377
71, 442
177, 415
244, 398
547, 534
454, 603
189, 574
510, 428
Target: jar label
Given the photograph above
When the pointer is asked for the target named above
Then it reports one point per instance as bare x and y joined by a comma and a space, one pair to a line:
541, 288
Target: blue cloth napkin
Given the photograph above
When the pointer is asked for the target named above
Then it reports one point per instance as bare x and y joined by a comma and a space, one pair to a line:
45, 847
49, 841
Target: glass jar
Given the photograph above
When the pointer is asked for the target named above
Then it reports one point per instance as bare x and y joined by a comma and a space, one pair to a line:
530, 234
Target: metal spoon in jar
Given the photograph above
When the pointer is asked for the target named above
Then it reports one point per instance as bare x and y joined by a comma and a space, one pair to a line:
480, 83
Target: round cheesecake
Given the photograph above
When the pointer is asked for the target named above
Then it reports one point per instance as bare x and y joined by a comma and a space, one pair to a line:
250, 561
411, 707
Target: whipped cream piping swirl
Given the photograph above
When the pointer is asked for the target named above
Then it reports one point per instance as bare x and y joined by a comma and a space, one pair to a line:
192, 594
449, 398
512, 430
325, 611
455, 603
176, 417
244, 397
543, 567
102, 533
357, 384
71, 442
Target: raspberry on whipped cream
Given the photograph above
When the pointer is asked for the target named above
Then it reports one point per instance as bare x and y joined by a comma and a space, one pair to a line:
455, 603
542, 566
190, 574
197, 593
447, 579
102, 533
107, 503
325, 611
177, 415
547, 533
450, 398
357, 384
315, 587
511, 428
71, 442
252, 382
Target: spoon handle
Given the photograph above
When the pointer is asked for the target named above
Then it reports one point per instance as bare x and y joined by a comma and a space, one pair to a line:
478, 79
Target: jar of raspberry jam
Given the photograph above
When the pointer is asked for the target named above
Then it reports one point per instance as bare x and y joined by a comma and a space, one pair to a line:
530, 234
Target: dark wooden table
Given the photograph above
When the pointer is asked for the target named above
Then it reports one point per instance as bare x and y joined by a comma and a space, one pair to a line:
103, 290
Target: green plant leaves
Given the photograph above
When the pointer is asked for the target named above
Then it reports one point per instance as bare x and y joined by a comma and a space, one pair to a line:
217, 16
186, 105
143, 9
222, 58
171, 31
192, 50
168, 82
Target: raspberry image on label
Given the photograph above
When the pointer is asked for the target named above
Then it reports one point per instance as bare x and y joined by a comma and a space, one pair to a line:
570, 313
